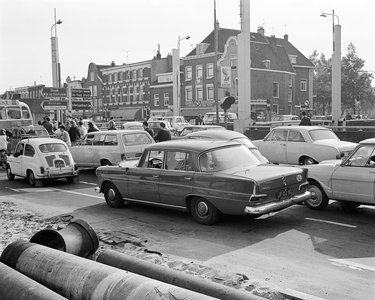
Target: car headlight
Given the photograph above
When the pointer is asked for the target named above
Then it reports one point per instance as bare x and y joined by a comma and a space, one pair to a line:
299, 178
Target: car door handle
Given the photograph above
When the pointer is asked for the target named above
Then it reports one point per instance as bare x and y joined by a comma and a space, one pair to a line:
188, 178
155, 176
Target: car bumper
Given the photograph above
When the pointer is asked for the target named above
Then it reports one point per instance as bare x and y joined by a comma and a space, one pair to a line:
276, 206
51, 174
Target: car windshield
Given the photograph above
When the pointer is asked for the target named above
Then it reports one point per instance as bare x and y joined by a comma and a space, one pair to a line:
53, 147
322, 134
227, 158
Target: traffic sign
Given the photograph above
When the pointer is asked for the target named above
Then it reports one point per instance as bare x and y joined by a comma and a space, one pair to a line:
80, 93
50, 92
77, 105
52, 104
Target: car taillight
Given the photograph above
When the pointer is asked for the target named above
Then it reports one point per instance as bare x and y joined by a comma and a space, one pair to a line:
42, 170
254, 198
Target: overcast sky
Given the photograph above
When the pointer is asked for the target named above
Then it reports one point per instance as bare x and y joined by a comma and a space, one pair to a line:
128, 31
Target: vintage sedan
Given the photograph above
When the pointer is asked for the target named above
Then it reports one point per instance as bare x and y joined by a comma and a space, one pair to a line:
350, 181
206, 178
40, 159
228, 135
194, 128
302, 145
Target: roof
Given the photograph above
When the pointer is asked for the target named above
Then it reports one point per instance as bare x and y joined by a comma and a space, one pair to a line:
305, 128
191, 145
218, 134
368, 141
120, 131
38, 141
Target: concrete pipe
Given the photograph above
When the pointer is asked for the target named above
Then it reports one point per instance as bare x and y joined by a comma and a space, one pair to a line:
164, 274
77, 278
77, 238
16, 286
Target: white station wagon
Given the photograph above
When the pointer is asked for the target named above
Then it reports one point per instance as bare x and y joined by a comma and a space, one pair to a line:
39, 159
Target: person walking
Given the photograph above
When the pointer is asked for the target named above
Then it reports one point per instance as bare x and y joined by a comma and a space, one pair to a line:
148, 129
65, 136
305, 121
199, 121
82, 130
112, 125
91, 127
47, 125
74, 134
163, 135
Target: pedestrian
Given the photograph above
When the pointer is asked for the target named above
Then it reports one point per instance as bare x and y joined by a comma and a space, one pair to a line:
47, 125
163, 135
82, 130
54, 125
199, 121
305, 121
91, 127
3, 140
148, 129
112, 125
65, 136
74, 134
348, 116
31, 129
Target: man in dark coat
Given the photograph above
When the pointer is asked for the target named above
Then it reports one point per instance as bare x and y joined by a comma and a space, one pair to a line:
148, 129
163, 135
305, 121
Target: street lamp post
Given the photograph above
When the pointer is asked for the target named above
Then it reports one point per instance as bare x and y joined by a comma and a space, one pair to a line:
336, 68
55, 60
176, 69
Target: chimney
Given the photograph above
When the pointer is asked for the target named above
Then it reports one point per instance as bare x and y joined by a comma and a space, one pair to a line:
285, 37
261, 30
113, 64
272, 41
158, 55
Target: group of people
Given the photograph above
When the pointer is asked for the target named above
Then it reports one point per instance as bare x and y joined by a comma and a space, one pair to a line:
163, 135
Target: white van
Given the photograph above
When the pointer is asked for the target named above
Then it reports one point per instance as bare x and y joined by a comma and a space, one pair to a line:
110, 147
210, 117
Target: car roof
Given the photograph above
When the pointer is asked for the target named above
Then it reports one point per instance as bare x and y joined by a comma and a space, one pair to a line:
37, 141
203, 126
118, 131
191, 145
301, 128
368, 141
218, 134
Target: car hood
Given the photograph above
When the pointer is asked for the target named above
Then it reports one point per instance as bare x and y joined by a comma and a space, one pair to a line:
341, 145
263, 172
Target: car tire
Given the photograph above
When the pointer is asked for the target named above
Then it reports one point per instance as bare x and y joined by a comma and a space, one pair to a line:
31, 178
204, 212
349, 206
319, 199
112, 196
10, 175
308, 161
106, 162
70, 179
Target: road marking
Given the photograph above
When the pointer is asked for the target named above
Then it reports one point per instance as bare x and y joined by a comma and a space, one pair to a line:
330, 222
90, 183
79, 193
367, 263
30, 190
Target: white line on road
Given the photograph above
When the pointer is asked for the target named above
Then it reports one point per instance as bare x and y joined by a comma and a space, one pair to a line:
367, 263
330, 222
90, 183
78, 193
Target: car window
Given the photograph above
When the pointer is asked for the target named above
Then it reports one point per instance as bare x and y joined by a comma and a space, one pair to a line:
152, 159
98, 139
136, 138
295, 136
19, 149
179, 160
322, 134
110, 140
277, 135
29, 150
363, 157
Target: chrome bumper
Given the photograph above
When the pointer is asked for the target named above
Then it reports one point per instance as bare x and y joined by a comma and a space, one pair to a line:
275, 206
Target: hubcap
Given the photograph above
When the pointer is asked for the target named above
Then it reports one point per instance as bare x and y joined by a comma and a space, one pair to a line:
202, 209
111, 194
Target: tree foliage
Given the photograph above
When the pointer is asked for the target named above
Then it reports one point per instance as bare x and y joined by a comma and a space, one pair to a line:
355, 82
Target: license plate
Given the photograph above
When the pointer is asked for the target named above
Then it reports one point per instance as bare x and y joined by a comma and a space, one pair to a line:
284, 193
59, 164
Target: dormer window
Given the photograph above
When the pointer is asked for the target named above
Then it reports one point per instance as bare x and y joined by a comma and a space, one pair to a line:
201, 48
267, 63
293, 59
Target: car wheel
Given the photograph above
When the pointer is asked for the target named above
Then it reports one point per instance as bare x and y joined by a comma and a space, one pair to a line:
31, 178
10, 175
348, 206
204, 212
308, 161
112, 196
319, 199
70, 179
106, 162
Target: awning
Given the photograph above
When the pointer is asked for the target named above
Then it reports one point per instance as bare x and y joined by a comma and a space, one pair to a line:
126, 114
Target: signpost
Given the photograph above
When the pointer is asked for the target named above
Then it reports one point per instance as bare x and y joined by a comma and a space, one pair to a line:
80, 93
50, 92
54, 105
78, 105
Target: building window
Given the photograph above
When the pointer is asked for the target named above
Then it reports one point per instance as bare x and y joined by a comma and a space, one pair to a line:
141, 93
188, 93
156, 100
166, 99
275, 108
210, 91
134, 74
210, 70
199, 71
109, 77
303, 85
233, 61
293, 59
275, 90
267, 63
140, 73
290, 95
115, 77
289, 109
92, 76
290, 82
199, 93
188, 73
95, 91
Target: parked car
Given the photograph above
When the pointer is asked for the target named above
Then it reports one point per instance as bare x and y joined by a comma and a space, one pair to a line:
109, 147
154, 125
281, 120
194, 128
228, 135
177, 122
132, 125
302, 145
350, 181
206, 178
40, 159
210, 117
321, 120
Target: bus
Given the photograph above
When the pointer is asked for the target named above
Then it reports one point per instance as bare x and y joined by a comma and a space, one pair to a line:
14, 113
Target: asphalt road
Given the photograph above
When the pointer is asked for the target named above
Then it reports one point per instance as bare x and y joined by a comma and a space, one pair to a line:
328, 254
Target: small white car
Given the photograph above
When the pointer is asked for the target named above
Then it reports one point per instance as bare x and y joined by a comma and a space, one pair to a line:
39, 159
